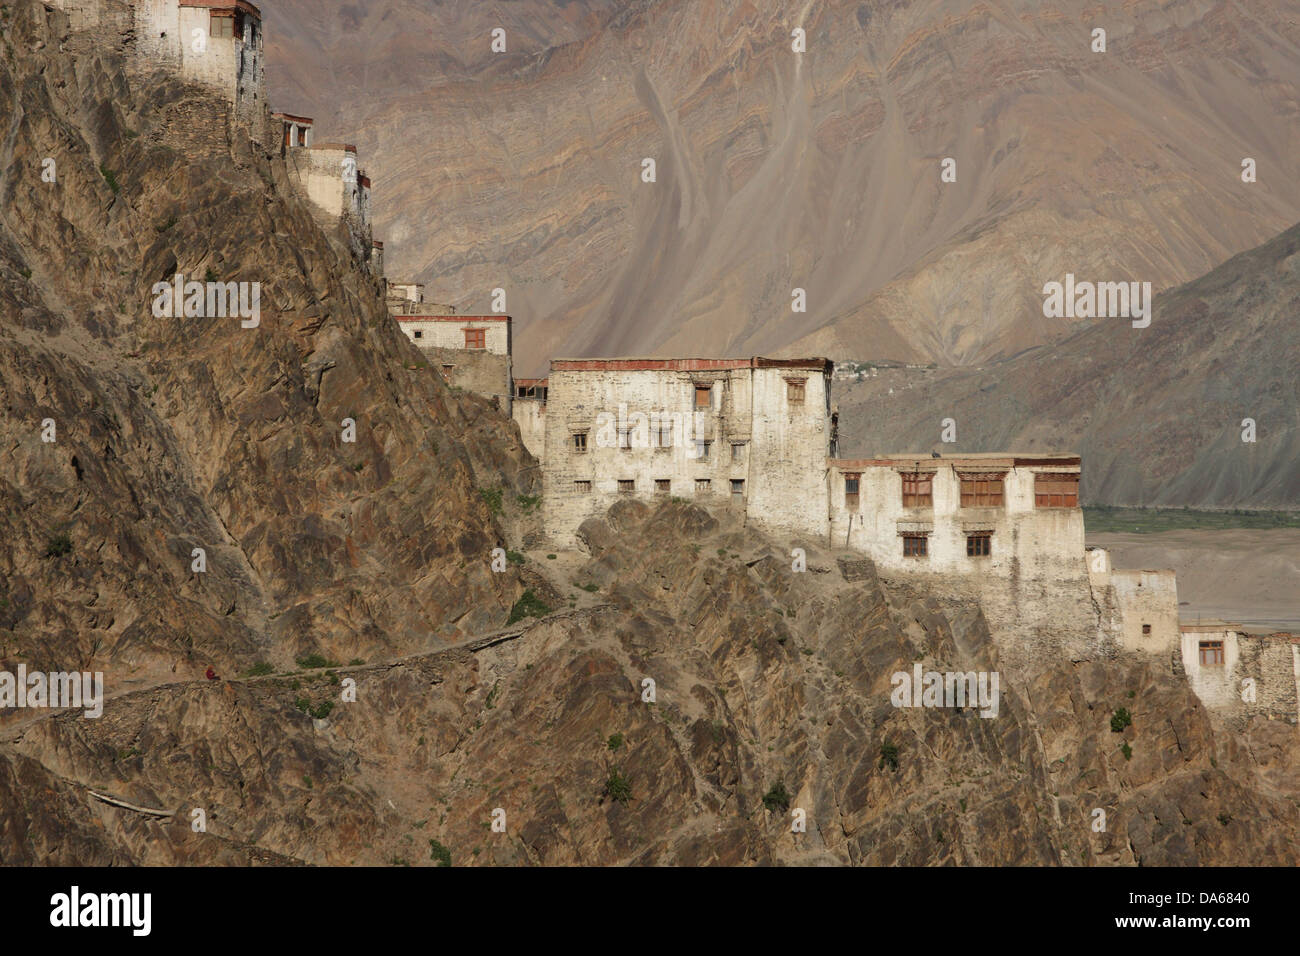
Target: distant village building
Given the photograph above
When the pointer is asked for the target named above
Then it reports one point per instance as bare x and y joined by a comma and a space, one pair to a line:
217, 44
331, 178
472, 352
1239, 675
758, 437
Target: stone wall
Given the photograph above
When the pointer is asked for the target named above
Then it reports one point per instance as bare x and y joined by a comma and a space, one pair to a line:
530, 415
727, 432
1265, 666
1034, 580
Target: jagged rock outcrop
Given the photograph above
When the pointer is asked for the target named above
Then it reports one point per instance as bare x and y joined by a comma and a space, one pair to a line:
181, 433
772, 693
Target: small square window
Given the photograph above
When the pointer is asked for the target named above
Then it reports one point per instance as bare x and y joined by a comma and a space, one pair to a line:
580, 442
1146, 628
1211, 653
918, 490
663, 486
703, 396
794, 390
737, 453
475, 338
626, 486
706, 449
446, 369
701, 486
582, 487
979, 545
915, 546
737, 487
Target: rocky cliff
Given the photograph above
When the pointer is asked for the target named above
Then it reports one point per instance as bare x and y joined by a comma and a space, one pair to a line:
176, 434
772, 687
771, 695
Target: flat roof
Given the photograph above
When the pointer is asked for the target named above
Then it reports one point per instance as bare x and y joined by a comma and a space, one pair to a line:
346, 147
983, 459
297, 119
452, 318
224, 5
682, 364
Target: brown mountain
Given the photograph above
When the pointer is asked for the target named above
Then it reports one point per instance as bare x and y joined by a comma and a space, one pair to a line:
1157, 413
772, 688
819, 171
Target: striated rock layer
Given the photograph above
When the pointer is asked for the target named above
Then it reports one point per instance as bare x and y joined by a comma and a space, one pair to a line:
818, 171
771, 694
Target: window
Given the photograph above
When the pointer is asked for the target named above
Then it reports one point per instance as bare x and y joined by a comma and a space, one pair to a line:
221, 28
1146, 629
663, 486
979, 544
706, 449
1211, 653
794, 390
737, 487
737, 452
580, 442
701, 486
582, 487
914, 546
626, 486
446, 369
1056, 491
475, 338
703, 396
981, 491
918, 490
663, 434
419, 334
851, 482
625, 437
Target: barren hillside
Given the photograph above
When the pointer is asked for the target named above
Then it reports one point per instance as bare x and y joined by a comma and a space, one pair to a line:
820, 170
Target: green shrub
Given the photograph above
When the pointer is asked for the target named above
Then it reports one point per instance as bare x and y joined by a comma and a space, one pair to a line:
1127, 751
528, 605
590, 588
356, 662
1119, 720
777, 799
58, 546
889, 755
440, 853
110, 179
528, 503
617, 786
492, 498
615, 741
323, 711
314, 661
260, 669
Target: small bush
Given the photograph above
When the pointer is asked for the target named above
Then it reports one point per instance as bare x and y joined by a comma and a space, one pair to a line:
1127, 751
615, 741
110, 179
323, 711
777, 799
528, 503
889, 755
590, 588
314, 661
492, 498
440, 853
514, 557
211, 276
356, 662
260, 669
58, 546
617, 787
528, 605
1119, 720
